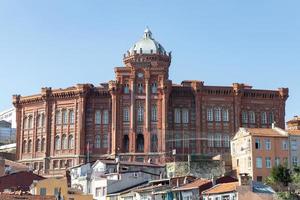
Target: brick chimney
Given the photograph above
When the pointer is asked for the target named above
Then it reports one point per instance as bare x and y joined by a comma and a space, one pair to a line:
244, 179
2, 167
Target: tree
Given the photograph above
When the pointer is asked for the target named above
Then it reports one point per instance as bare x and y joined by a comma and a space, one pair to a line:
280, 178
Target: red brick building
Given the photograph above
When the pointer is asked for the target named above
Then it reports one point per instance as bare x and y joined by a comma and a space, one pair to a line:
140, 115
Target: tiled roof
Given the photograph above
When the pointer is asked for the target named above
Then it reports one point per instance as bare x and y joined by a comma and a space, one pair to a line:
294, 132
222, 188
193, 185
265, 132
15, 167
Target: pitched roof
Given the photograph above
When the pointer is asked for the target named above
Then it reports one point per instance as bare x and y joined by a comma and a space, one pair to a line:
193, 185
294, 132
221, 188
265, 132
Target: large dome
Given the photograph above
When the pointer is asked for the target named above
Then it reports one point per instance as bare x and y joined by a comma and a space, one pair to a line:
147, 45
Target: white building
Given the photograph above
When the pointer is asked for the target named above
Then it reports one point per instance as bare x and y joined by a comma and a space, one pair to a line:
102, 178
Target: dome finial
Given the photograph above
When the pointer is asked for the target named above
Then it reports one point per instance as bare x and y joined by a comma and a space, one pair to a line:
147, 33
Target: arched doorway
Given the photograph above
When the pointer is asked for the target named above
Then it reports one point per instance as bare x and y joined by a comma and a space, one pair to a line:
140, 143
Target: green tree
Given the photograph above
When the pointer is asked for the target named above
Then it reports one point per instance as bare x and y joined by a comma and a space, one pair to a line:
280, 178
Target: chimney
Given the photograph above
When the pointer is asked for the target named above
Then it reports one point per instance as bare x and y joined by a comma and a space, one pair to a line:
2, 167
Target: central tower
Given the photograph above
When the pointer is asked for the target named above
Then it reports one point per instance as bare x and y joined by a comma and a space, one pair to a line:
139, 101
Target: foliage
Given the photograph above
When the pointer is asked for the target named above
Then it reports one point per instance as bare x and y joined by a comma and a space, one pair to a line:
280, 178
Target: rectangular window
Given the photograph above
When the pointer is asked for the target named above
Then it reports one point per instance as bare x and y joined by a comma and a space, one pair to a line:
294, 145
185, 116
264, 117
259, 179
249, 162
244, 117
268, 163
295, 161
226, 141
252, 117
154, 113
218, 140
140, 114
56, 192
98, 117
178, 140
257, 144
277, 161
271, 117
43, 191
259, 162
126, 114
210, 115
268, 144
177, 116
105, 117
210, 141
285, 145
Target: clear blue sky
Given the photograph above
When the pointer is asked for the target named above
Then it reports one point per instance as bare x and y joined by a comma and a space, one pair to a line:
59, 43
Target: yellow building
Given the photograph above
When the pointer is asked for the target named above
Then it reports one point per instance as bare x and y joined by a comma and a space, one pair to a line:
56, 187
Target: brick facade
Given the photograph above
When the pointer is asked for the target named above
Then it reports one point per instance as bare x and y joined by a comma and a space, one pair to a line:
141, 116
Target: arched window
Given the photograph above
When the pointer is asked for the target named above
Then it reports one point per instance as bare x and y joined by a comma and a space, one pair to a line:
97, 142
42, 120
64, 142
154, 88
140, 143
244, 117
126, 114
210, 115
140, 88
140, 114
126, 89
29, 146
65, 117
105, 117
38, 145
154, 143
154, 113
57, 143
71, 142
25, 122
38, 121
126, 143
105, 140
252, 117
24, 147
30, 122
71, 117
43, 145
264, 118
225, 115
177, 116
218, 114
185, 116
97, 117
58, 117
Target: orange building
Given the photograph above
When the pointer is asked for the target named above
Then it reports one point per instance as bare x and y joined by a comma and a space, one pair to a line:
255, 151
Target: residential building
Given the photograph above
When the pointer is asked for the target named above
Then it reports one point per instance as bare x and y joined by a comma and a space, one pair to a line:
10, 167
105, 177
293, 128
139, 116
192, 190
245, 189
57, 187
256, 150
19, 181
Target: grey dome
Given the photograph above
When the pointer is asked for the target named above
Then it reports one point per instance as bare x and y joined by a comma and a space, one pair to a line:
147, 45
